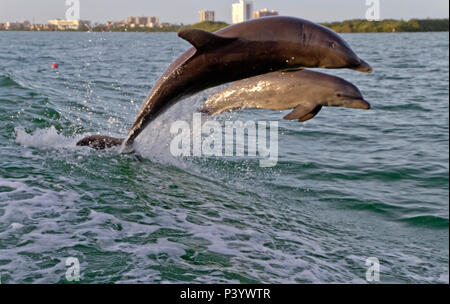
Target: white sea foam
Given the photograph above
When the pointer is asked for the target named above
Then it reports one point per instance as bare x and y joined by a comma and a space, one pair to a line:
49, 137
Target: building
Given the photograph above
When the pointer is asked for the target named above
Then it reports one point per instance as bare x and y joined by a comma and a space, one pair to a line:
207, 16
131, 20
242, 11
63, 25
264, 13
12, 25
25, 24
115, 25
38, 27
143, 21
152, 21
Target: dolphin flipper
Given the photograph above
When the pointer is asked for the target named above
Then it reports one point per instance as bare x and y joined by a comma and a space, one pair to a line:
311, 115
303, 112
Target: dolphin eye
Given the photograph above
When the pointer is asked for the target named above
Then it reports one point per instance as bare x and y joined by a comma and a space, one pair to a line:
339, 95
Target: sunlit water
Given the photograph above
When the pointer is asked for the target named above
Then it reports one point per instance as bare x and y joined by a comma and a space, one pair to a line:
349, 184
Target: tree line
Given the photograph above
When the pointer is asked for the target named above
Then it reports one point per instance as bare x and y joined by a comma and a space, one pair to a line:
389, 26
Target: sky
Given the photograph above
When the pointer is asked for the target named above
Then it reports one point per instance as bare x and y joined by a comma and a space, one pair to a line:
186, 11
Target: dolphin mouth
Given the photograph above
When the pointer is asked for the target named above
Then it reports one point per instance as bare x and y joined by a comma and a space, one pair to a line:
356, 103
363, 67
361, 104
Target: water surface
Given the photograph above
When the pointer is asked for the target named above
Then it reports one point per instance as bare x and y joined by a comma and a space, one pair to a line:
349, 184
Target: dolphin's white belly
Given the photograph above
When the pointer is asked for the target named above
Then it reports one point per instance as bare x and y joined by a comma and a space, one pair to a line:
259, 95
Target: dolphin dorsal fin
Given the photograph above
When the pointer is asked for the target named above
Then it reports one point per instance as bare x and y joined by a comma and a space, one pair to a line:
202, 40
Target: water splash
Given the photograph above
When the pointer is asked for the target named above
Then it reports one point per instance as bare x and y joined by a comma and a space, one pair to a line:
48, 137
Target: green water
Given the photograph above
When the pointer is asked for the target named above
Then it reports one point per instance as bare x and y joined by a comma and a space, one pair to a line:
349, 184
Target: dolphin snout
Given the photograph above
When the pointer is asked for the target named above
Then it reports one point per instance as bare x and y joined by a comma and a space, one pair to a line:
363, 67
361, 104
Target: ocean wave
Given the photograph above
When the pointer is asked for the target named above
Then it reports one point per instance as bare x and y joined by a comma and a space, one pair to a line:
8, 81
430, 221
403, 107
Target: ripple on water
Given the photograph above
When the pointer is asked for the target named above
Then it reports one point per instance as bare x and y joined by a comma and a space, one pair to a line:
348, 185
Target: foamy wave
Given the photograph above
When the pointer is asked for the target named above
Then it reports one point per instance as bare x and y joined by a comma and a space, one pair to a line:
44, 138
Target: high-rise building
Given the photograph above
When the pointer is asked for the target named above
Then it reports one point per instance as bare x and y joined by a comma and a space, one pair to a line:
206, 16
264, 13
131, 20
141, 20
154, 20
242, 11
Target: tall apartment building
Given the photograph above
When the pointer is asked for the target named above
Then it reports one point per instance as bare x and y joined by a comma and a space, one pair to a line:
242, 11
141, 20
206, 16
152, 21
264, 13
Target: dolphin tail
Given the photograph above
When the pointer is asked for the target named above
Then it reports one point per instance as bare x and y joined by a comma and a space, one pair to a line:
98, 142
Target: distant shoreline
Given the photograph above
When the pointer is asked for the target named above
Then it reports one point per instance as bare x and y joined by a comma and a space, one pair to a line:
348, 26
389, 26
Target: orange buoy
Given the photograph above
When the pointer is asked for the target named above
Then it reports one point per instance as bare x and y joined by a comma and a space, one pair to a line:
54, 66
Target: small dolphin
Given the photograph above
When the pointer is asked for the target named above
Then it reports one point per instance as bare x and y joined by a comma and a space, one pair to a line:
237, 52
304, 91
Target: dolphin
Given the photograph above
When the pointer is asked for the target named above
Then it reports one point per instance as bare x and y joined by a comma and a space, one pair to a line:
304, 91
240, 51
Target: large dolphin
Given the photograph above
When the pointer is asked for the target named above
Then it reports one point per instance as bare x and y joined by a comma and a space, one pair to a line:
237, 52
304, 91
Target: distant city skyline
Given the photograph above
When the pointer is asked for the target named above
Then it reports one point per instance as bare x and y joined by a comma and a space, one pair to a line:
182, 11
